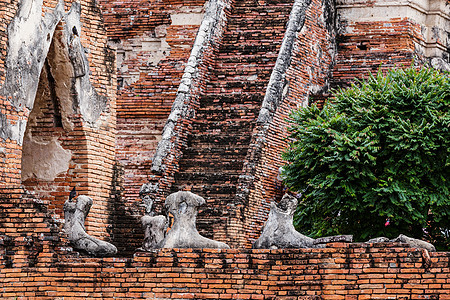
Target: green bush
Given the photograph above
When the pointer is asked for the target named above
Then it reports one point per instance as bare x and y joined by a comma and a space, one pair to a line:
377, 152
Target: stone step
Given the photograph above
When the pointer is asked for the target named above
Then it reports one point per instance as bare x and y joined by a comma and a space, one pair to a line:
235, 86
207, 178
232, 126
247, 51
254, 34
225, 192
230, 100
214, 155
212, 166
280, 10
218, 139
207, 150
226, 113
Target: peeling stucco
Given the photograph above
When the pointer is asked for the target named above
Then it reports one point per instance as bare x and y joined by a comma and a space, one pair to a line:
29, 38
90, 103
44, 160
30, 35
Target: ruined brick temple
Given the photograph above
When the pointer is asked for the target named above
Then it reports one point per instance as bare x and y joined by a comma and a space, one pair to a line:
98, 98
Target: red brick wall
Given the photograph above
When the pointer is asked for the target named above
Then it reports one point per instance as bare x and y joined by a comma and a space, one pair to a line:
10, 151
144, 101
200, 64
146, 90
365, 46
310, 67
31, 269
126, 19
22, 215
92, 147
213, 138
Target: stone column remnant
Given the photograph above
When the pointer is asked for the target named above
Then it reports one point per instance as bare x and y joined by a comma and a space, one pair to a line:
75, 213
183, 234
279, 231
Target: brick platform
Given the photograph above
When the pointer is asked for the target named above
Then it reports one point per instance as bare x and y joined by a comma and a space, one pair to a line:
342, 271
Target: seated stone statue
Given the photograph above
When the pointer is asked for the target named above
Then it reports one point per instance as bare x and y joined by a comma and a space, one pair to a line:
155, 227
75, 213
183, 234
279, 231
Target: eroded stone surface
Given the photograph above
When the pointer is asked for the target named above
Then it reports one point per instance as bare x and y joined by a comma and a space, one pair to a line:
380, 239
279, 231
439, 64
184, 207
334, 239
91, 104
75, 213
412, 242
416, 243
155, 227
29, 37
154, 231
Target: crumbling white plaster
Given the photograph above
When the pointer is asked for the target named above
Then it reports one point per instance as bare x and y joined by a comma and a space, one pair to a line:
22, 37
29, 38
188, 18
90, 103
44, 160
151, 47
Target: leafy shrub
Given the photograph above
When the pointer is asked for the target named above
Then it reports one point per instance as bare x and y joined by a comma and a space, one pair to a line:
375, 160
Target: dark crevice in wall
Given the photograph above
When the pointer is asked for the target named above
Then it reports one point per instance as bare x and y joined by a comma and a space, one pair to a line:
57, 120
125, 228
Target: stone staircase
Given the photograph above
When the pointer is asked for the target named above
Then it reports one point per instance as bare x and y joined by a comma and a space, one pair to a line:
221, 132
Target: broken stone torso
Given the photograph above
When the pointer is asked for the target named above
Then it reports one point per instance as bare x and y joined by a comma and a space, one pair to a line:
412, 242
184, 207
183, 234
75, 213
154, 231
279, 231
155, 227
